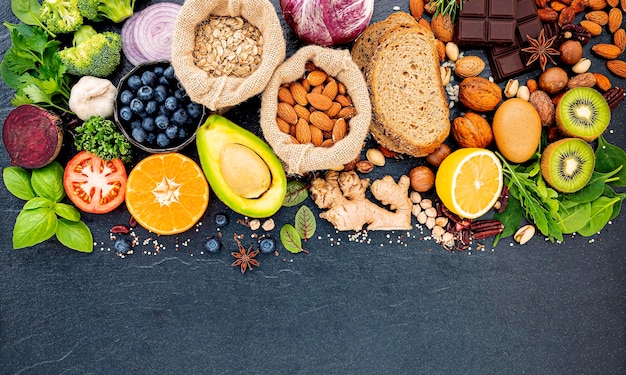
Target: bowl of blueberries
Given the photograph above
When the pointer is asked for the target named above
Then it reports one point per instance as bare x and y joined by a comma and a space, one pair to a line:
153, 110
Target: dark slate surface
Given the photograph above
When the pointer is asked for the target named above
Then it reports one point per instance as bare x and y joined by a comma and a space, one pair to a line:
395, 304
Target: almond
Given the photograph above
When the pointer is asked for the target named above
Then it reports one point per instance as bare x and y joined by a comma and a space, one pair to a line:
331, 89
339, 129
579, 5
608, 51
615, 19
443, 27
303, 132
593, 28
302, 112
557, 5
344, 100
287, 113
623, 5
598, 16
441, 50
319, 101
321, 120
283, 126
317, 137
602, 81
333, 110
316, 77
416, 7
613, 3
341, 89
327, 143
298, 91
619, 39
284, 95
617, 67
469, 66
597, 4
347, 113
424, 22
317, 89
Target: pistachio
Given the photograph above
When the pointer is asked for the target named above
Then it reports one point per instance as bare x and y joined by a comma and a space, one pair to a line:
523, 92
511, 88
524, 234
581, 66
452, 51
375, 156
446, 74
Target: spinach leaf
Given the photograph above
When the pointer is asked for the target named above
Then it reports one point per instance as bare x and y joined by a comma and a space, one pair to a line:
601, 212
75, 235
27, 11
48, 182
574, 215
617, 207
17, 181
34, 226
511, 217
610, 157
594, 188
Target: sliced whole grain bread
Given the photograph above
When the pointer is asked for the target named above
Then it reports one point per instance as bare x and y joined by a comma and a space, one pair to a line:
410, 109
365, 46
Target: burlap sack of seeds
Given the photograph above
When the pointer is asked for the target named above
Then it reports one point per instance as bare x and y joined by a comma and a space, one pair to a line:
301, 158
225, 91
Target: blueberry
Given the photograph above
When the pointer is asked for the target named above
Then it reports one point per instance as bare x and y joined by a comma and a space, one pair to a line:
171, 103
162, 140
149, 78
160, 93
125, 113
194, 110
145, 93
169, 72
163, 110
152, 107
126, 96
148, 124
162, 122
135, 124
267, 245
221, 219
182, 133
158, 70
134, 82
212, 245
122, 245
139, 135
180, 94
171, 132
180, 116
137, 106
164, 81
150, 138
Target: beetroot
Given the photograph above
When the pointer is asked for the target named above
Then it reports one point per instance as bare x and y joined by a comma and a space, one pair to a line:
33, 136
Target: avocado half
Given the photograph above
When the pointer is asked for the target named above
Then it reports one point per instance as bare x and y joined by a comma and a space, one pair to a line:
219, 132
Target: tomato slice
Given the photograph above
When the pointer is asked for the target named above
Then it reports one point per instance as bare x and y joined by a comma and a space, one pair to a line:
95, 185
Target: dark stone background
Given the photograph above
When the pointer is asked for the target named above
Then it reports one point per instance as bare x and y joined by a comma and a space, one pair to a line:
345, 308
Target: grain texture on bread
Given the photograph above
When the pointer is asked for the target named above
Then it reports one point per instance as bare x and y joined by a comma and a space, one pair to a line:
410, 109
366, 44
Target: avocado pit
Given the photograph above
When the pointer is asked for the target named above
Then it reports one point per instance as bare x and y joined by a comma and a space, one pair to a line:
244, 170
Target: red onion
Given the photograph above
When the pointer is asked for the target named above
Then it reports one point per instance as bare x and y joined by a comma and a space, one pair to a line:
147, 35
327, 22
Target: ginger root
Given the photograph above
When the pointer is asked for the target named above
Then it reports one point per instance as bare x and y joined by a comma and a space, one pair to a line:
343, 195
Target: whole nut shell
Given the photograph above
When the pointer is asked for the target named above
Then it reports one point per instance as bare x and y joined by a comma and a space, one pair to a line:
469, 66
472, 130
452, 51
375, 156
523, 93
510, 90
524, 234
443, 27
479, 94
544, 106
582, 80
582, 66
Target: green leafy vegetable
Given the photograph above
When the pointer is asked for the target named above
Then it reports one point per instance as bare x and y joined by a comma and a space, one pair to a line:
305, 222
575, 215
33, 227
28, 11
511, 218
100, 136
297, 192
92, 53
61, 16
75, 235
48, 181
601, 211
291, 239
595, 186
610, 157
17, 181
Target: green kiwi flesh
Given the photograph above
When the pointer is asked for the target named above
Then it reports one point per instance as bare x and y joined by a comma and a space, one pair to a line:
567, 164
583, 112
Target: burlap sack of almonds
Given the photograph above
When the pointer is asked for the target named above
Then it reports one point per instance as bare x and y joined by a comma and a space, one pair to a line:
227, 90
301, 158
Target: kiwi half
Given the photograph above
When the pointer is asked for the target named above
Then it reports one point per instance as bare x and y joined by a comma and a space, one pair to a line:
567, 164
583, 112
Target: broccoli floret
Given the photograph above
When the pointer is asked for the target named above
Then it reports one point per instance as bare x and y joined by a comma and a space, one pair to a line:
61, 16
92, 54
115, 10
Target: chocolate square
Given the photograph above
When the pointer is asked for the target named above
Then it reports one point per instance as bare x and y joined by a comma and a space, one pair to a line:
486, 23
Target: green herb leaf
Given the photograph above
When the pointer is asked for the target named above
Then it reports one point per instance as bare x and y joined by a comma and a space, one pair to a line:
610, 157
617, 207
594, 188
100, 136
75, 235
34, 226
511, 217
38, 202
48, 182
305, 222
26, 11
290, 238
17, 181
574, 215
601, 212
67, 211
297, 192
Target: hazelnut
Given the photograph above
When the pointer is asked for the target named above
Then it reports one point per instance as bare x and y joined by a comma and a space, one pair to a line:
436, 157
571, 52
422, 178
553, 80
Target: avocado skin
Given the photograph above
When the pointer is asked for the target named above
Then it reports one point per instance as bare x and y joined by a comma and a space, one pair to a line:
218, 131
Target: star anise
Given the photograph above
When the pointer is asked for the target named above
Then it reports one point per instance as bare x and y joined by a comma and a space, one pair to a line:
541, 49
244, 258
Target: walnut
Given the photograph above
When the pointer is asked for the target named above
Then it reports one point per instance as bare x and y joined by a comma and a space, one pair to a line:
472, 130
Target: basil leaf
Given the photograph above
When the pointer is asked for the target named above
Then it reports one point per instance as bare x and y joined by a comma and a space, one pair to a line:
67, 211
305, 222
38, 202
75, 235
290, 238
48, 182
17, 181
297, 192
34, 226
610, 157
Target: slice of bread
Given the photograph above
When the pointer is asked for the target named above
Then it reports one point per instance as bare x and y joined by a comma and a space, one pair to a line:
366, 44
409, 105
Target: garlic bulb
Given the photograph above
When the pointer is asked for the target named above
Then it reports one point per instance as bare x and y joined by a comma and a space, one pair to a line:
92, 96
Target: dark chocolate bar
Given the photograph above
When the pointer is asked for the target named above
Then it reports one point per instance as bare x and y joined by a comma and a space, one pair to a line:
486, 23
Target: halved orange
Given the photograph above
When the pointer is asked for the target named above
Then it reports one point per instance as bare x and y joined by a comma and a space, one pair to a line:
167, 193
469, 181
